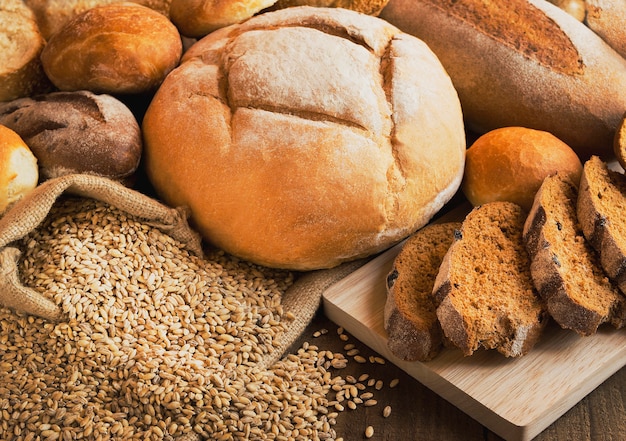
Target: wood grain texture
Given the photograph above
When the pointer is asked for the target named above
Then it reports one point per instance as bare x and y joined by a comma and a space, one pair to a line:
514, 398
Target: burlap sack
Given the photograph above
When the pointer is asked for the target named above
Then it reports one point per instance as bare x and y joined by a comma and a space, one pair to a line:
302, 299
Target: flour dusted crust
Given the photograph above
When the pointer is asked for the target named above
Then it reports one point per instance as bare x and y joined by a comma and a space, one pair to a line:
484, 288
565, 268
410, 317
607, 18
523, 63
77, 132
306, 137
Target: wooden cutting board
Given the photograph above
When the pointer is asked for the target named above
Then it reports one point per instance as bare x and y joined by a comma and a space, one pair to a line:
515, 398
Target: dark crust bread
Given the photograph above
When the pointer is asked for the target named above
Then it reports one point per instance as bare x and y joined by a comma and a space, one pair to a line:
595, 221
77, 132
561, 259
473, 312
410, 317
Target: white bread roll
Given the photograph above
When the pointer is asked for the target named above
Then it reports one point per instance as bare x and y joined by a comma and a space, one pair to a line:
52, 15
523, 63
121, 48
306, 137
21, 43
19, 173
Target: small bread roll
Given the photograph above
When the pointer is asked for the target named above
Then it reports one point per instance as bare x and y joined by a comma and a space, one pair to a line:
19, 173
197, 18
21, 43
52, 15
118, 49
509, 164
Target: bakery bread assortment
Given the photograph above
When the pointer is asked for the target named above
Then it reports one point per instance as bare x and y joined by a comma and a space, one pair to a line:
484, 289
52, 15
21, 43
600, 209
410, 317
565, 269
19, 173
523, 63
77, 132
121, 48
510, 164
301, 134
306, 137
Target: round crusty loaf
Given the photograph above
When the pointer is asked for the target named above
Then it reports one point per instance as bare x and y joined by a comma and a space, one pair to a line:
52, 15
120, 48
19, 173
523, 63
510, 163
306, 137
77, 132
21, 43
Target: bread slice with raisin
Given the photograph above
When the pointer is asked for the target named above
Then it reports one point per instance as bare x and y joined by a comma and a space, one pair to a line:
410, 317
484, 288
601, 206
565, 268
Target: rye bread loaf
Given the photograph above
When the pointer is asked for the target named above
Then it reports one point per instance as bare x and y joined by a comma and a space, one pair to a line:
601, 206
484, 288
306, 137
21, 43
410, 317
77, 132
565, 268
523, 63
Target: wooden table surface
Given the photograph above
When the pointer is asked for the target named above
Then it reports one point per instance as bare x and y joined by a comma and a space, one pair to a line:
419, 414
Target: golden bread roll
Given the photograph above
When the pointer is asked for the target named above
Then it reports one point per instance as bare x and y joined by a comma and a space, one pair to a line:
575, 8
306, 137
371, 7
19, 173
619, 143
523, 63
197, 18
510, 164
52, 15
21, 43
118, 49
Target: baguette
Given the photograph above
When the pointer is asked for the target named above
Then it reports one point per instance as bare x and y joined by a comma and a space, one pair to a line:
523, 63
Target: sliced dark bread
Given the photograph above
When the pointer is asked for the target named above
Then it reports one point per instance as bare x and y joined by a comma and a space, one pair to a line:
484, 287
565, 268
410, 317
601, 211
